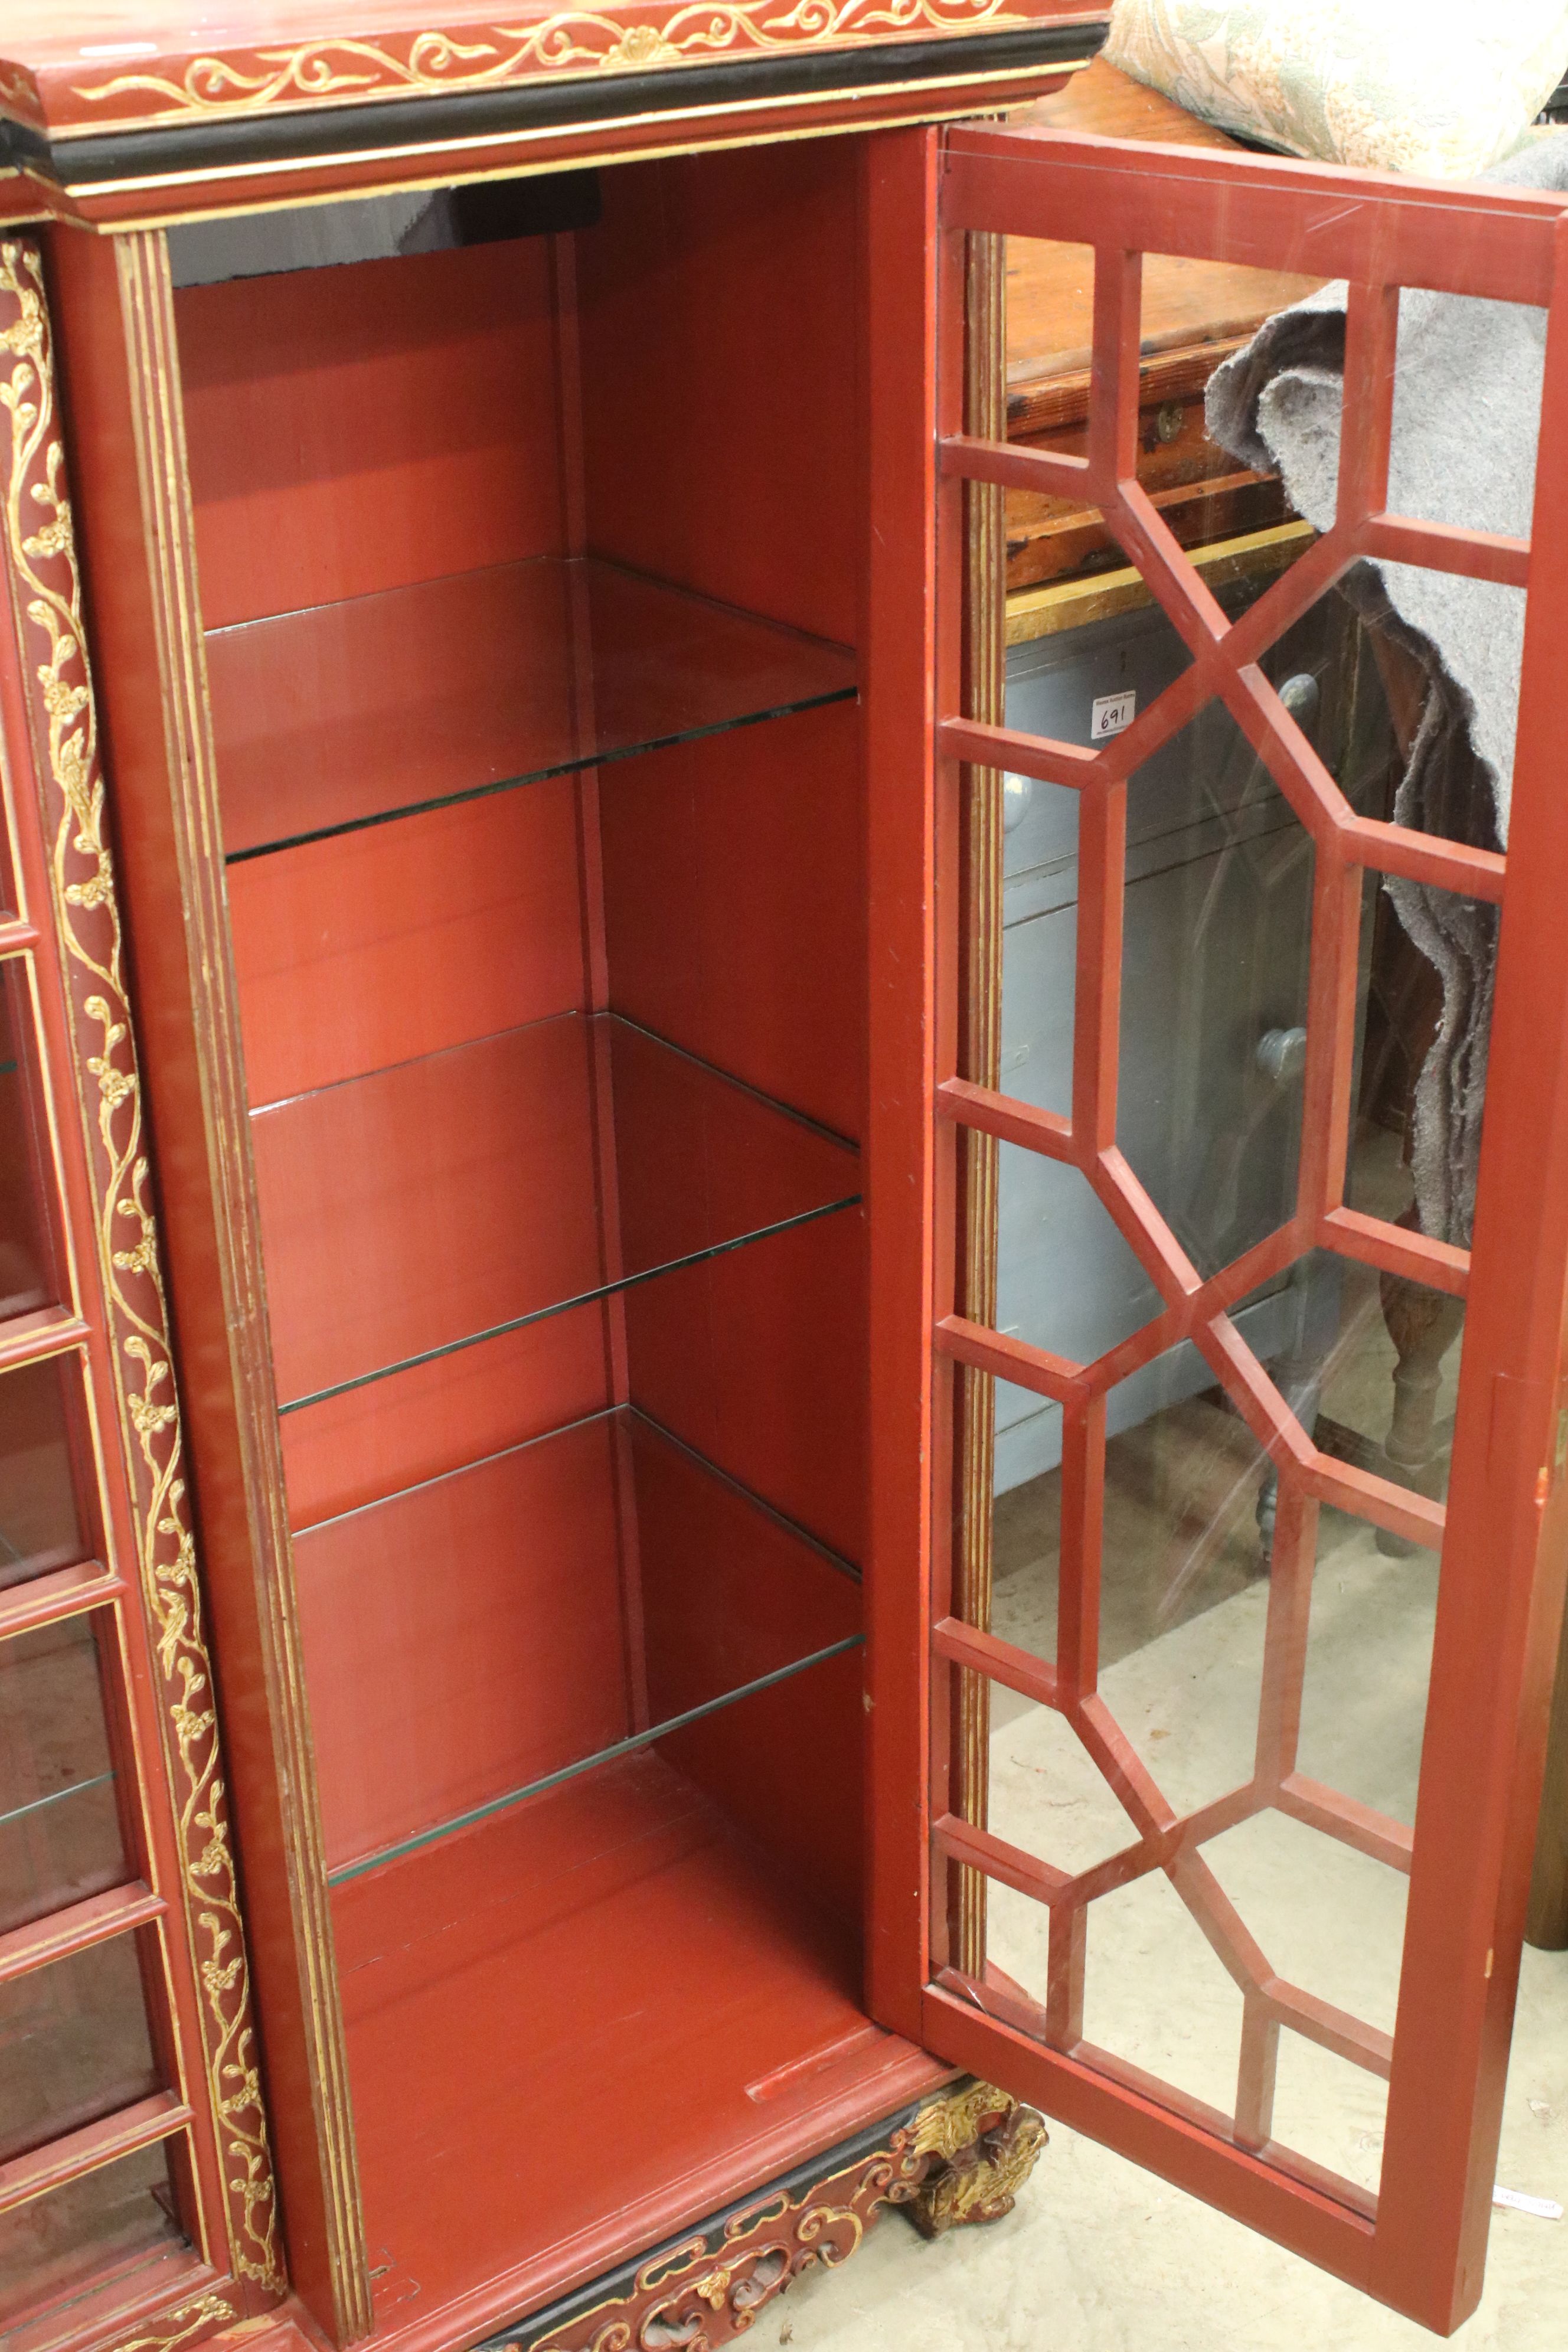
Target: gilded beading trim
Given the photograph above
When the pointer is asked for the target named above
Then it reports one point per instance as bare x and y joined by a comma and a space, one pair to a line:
985, 693
345, 71
47, 577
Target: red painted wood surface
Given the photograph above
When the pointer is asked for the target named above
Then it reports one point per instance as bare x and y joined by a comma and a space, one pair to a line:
82, 1445
758, 1359
390, 1205
100, 401
724, 289
452, 1651
524, 2002
1420, 2246
748, 850
728, 1596
356, 953
433, 1417
29, 1278
899, 618
463, 1637
358, 429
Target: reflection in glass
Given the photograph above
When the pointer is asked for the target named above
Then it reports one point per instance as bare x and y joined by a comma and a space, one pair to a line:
60, 1826
40, 1523
1262, 1662
1329, 2111
27, 1275
1368, 1664
1067, 1281
77, 2044
1414, 1146
348, 714
1370, 1364
1156, 1994
88, 2233
1214, 990
1026, 1521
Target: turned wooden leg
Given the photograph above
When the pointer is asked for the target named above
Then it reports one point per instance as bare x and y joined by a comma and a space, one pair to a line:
1423, 1325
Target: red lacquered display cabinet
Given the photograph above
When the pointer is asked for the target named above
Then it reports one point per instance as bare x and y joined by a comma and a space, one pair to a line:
768, 1396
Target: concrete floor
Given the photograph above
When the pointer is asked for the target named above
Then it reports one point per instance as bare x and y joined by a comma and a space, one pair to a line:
1100, 2257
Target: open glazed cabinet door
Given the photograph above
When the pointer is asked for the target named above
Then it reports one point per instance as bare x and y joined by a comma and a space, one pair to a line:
1229, 1710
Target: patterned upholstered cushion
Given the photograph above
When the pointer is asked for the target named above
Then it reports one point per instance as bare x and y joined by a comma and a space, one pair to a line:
1443, 87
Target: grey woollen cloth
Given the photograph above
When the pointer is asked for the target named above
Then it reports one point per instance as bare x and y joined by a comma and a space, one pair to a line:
1467, 407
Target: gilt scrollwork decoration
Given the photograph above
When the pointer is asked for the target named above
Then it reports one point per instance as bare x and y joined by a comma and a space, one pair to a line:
348, 71
959, 2158
47, 584
182, 2325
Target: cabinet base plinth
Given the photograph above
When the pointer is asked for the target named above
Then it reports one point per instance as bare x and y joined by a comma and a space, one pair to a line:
960, 2157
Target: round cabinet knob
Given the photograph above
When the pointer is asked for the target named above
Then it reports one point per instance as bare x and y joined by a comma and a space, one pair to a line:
1282, 1055
1301, 697
1017, 792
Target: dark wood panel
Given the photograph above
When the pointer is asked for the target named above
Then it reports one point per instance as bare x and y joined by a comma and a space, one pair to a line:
463, 1637
758, 1359
379, 946
357, 429
354, 1448
188, 1048
734, 908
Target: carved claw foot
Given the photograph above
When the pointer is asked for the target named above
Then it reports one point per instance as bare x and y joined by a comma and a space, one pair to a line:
985, 2147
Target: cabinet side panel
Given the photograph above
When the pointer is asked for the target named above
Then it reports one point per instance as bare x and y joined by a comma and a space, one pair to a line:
128, 455
901, 1164
718, 311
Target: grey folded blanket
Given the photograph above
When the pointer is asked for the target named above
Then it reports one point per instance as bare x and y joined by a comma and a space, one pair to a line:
1465, 413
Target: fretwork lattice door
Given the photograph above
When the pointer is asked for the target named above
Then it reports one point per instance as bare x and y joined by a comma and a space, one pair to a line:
1237, 1701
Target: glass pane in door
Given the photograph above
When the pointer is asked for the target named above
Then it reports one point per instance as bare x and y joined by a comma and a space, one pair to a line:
1234, 1174
60, 1834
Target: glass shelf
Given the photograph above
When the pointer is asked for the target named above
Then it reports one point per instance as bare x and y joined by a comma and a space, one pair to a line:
353, 714
429, 1206
569, 1601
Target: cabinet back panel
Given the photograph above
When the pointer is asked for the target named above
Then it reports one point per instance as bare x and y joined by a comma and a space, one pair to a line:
734, 906
365, 427
434, 1417
463, 1638
726, 1599
356, 953
720, 302
758, 1359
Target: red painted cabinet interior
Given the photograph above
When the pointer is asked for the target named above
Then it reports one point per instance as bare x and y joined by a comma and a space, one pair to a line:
529, 574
